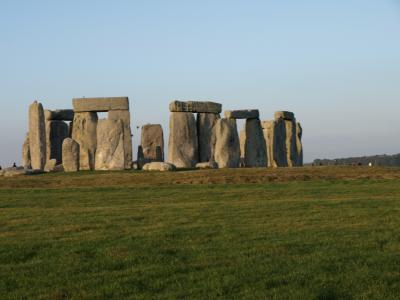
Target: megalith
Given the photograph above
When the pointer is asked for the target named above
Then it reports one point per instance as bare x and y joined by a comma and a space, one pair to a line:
110, 154
84, 131
56, 132
268, 131
125, 117
70, 155
299, 145
291, 142
254, 148
206, 138
227, 146
183, 143
279, 158
152, 142
37, 136
195, 107
26, 153
242, 114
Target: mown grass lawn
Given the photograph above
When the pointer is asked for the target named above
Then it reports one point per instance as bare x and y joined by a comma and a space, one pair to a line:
322, 239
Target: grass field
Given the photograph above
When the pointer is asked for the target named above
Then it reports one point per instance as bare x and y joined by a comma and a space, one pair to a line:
307, 233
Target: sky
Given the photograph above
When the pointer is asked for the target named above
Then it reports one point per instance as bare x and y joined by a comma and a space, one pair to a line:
336, 64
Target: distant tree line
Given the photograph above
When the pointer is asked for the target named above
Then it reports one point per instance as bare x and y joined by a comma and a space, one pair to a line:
376, 160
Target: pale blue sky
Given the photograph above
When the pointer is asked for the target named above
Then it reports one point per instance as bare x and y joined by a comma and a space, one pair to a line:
336, 64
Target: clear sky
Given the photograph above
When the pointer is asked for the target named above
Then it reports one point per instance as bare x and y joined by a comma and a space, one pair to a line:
336, 64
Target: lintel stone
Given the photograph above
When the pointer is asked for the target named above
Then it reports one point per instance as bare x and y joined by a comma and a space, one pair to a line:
100, 104
242, 114
195, 107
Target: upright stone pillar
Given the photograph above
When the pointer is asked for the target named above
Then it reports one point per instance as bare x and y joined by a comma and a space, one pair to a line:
242, 139
70, 154
110, 153
37, 136
255, 151
227, 146
125, 117
299, 145
26, 153
152, 142
205, 129
84, 131
279, 144
268, 130
291, 143
183, 143
56, 132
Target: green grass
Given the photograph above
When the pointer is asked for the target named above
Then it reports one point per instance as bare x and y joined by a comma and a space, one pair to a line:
337, 239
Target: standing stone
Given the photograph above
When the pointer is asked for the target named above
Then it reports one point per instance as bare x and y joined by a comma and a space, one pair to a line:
254, 149
242, 139
227, 146
26, 154
299, 145
183, 143
205, 131
56, 132
84, 131
268, 130
279, 144
37, 136
125, 117
152, 142
70, 155
140, 162
110, 154
291, 143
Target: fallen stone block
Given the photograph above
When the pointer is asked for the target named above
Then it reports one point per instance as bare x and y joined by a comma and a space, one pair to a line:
195, 107
50, 165
159, 166
102, 104
207, 165
242, 114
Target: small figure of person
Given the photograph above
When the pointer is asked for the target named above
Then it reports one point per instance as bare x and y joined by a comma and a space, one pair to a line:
14, 165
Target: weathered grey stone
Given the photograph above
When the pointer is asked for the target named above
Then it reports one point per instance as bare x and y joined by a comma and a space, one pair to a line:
152, 139
299, 145
141, 161
279, 158
207, 165
183, 143
227, 147
37, 136
242, 114
125, 117
206, 135
103, 104
70, 153
195, 107
159, 166
286, 115
268, 130
59, 115
242, 139
291, 143
20, 172
50, 165
56, 132
254, 149
110, 154
84, 132
26, 154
